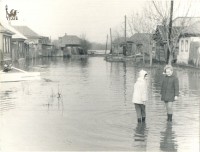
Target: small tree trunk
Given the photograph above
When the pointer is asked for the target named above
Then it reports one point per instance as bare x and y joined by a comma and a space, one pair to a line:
150, 55
143, 57
135, 54
170, 59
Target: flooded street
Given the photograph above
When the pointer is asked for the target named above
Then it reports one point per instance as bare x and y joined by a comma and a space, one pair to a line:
86, 104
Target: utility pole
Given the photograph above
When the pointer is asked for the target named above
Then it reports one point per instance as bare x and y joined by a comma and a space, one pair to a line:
111, 51
170, 31
106, 44
125, 47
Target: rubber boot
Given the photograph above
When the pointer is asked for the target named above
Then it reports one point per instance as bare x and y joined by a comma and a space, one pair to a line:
139, 120
170, 117
143, 119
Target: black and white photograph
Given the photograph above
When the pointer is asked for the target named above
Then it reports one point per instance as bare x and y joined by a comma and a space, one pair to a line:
99, 75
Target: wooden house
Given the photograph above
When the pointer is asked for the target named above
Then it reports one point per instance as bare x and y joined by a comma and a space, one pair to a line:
142, 42
70, 45
119, 46
47, 47
56, 49
189, 45
161, 34
17, 46
33, 40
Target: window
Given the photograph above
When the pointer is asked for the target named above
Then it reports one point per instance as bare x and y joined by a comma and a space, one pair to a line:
20, 46
9, 44
6, 44
186, 45
182, 45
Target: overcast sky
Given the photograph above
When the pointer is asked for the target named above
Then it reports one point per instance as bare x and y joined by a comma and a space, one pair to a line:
75, 17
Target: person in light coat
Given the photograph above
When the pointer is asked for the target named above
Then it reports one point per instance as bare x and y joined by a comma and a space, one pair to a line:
140, 95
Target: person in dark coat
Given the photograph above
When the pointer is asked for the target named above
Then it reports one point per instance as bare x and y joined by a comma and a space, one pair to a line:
169, 90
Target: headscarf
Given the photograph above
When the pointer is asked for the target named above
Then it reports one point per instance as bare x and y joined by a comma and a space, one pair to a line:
142, 73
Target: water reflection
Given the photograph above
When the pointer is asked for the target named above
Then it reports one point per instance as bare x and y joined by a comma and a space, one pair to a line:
125, 83
55, 101
168, 139
6, 101
140, 137
91, 99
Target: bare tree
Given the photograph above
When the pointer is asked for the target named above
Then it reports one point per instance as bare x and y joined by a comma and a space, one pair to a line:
85, 44
118, 40
140, 23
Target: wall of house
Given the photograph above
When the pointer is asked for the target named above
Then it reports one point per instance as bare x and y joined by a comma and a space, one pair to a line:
15, 54
57, 52
129, 49
194, 55
21, 49
34, 50
161, 52
72, 50
185, 52
5, 47
117, 49
46, 50
26, 50
67, 51
133, 49
18, 50
1, 47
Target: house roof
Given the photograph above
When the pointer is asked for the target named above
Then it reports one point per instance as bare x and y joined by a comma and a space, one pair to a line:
69, 40
5, 27
5, 30
185, 21
193, 30
121, 40
27, 31
140, 38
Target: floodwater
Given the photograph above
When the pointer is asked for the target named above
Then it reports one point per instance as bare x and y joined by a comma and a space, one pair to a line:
85, 104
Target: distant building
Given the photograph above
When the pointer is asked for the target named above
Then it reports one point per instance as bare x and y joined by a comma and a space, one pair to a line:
70, 45
38, 45
119, 45
47, 47
19, 47
33, 40
142, 42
